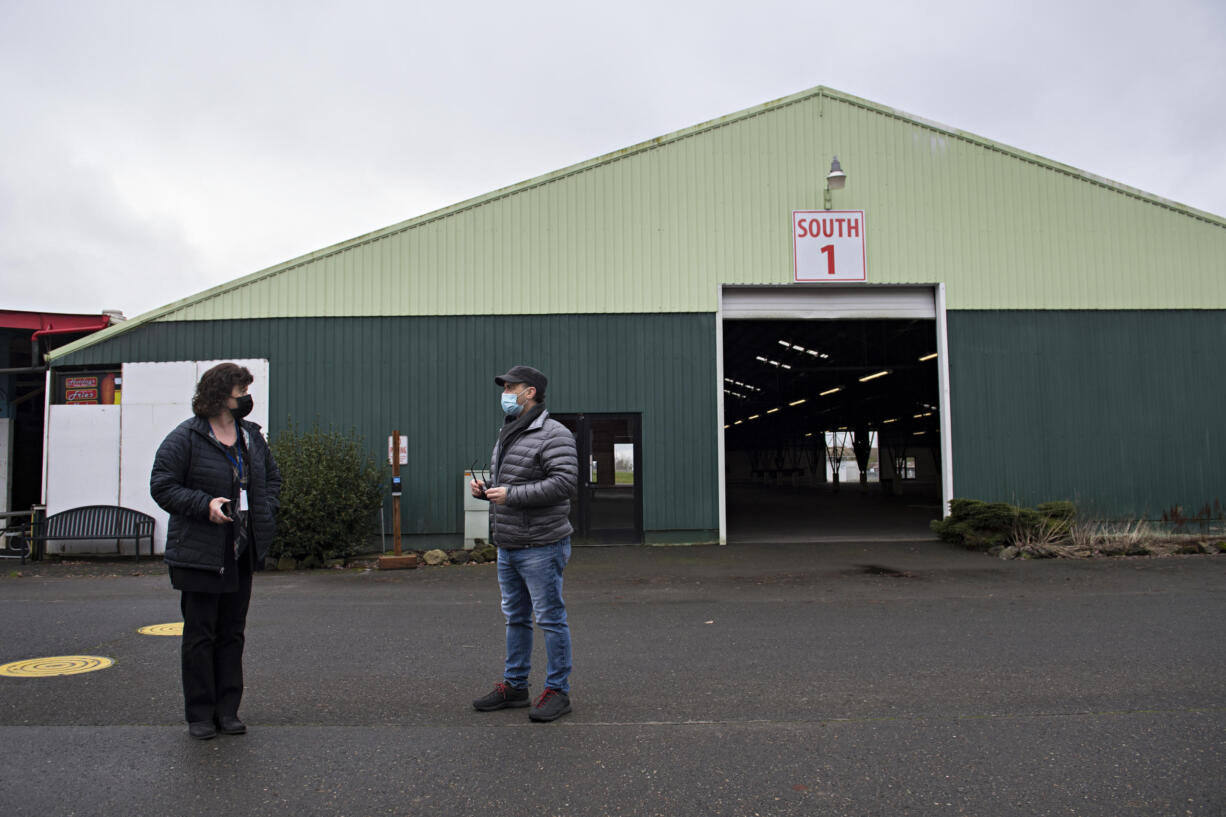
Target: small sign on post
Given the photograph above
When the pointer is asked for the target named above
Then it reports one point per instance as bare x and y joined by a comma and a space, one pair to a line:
394, 442
828, 245
397, 560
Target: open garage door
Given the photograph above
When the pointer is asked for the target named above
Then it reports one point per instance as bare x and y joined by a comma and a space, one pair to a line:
835, 420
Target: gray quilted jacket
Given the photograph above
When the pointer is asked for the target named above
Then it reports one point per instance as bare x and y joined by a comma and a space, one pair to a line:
540, 470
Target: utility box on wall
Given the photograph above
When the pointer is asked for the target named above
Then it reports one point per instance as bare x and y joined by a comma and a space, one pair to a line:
476, 517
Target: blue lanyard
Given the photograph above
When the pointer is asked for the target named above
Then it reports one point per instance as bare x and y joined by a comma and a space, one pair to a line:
238, 464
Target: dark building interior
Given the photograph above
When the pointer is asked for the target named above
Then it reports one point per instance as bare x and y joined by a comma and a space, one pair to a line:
832, 428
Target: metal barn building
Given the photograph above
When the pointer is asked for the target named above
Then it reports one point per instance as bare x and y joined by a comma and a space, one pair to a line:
725, 334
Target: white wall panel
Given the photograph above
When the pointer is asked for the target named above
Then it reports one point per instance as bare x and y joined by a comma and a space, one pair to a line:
6, 464
102, 455
82, 465
156, 398
142, 431
159, 383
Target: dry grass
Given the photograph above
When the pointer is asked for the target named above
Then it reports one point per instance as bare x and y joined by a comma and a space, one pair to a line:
1049, 541
1084, 539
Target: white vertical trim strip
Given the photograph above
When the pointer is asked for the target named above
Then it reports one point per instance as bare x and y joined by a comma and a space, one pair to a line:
947, 451
719, 416
46, 432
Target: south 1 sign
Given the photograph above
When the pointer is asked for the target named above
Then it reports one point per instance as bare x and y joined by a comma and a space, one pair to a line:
829, 245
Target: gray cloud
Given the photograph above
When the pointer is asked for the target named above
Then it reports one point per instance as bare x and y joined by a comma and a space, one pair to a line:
153, 150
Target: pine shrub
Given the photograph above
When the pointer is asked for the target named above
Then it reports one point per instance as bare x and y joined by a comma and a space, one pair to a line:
331, 493
981, 525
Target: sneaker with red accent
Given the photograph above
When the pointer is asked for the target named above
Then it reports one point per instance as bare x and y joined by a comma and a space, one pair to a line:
551, 705
503, 695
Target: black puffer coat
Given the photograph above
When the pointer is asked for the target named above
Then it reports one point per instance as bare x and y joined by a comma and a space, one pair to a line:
540, 470
189, 471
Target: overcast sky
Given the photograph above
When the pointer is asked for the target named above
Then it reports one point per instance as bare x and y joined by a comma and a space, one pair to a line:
151, 150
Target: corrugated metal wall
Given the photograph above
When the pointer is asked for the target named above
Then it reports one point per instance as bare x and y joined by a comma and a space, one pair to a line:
433, 378
658, 227
1118, 411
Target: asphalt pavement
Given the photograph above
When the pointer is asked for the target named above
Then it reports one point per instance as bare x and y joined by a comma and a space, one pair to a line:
898, 678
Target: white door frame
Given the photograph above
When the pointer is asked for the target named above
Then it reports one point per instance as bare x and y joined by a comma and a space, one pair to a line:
826, 301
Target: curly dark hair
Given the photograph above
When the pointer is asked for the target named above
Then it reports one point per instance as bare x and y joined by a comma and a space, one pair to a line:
215, 387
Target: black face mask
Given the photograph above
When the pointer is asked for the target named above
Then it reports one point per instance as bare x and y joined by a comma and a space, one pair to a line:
245, 404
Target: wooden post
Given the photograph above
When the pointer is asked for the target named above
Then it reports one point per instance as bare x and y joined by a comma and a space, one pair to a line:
396, 497
396, 560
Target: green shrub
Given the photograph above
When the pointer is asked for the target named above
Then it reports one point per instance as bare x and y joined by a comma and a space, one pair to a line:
973, 523
330, 495
979, 525
1060, 510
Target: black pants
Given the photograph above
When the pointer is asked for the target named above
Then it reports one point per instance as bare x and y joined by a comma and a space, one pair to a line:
213, 639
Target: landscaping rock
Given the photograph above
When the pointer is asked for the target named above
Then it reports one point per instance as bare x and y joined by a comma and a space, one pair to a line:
459, 556
1009, 553
435, 557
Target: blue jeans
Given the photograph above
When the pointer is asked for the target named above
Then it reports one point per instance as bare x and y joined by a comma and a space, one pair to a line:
531, 582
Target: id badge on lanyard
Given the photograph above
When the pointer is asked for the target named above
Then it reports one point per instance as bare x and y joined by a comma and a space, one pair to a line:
242, 479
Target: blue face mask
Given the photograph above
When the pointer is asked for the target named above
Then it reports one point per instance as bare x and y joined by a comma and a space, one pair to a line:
510, 404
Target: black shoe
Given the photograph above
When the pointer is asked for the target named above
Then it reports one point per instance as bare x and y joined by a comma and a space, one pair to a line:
504, 695
552, 705
201, 730
230, 725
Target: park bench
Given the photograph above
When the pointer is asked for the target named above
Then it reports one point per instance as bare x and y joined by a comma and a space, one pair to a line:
94, 522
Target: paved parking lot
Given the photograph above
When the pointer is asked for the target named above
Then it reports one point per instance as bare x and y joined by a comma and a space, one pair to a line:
843, 679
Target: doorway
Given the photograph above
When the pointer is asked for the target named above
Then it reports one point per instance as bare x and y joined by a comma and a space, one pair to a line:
609, 508
834, 412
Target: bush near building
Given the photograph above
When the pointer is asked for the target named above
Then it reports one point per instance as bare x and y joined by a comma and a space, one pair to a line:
980, 525
1053, 529
331, 493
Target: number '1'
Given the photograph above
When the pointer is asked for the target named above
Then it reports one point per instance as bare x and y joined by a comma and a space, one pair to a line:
829, 251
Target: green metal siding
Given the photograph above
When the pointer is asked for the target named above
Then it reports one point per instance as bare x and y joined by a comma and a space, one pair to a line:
659, 228
432, 377
1118, 411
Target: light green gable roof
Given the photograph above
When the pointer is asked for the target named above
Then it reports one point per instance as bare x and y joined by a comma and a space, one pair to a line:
658, 226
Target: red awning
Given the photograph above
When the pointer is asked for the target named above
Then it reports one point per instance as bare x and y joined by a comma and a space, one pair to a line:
52, 323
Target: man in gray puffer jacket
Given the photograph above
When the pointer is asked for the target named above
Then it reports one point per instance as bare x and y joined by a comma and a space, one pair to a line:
534, 474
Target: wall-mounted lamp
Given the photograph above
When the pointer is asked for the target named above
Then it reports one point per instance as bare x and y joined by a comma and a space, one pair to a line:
836, 179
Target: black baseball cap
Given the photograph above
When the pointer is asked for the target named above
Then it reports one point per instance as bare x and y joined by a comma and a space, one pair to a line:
524, 374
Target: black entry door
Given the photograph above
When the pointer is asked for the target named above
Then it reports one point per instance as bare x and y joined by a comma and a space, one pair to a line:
609, 510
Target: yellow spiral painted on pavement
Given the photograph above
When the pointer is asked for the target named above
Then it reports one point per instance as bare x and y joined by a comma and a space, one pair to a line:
170, 628
56, 665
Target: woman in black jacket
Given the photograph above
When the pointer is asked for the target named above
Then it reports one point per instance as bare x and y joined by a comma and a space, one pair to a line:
215, 476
